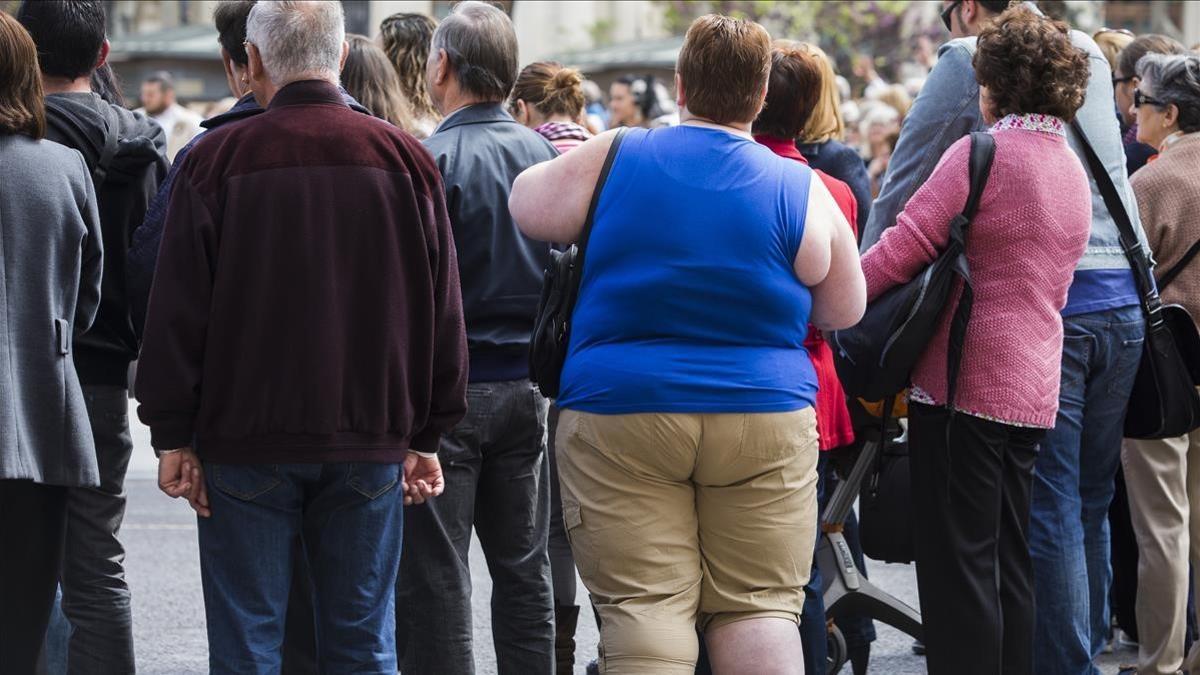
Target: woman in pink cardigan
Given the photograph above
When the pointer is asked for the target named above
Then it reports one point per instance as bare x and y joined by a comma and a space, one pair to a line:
972, 465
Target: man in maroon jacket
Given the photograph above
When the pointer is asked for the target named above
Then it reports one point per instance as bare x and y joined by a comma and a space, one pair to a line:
304, 350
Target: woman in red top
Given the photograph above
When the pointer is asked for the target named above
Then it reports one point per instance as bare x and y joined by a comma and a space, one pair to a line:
792, 94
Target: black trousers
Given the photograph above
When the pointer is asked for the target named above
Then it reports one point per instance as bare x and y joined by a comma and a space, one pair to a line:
971, 480
33, 518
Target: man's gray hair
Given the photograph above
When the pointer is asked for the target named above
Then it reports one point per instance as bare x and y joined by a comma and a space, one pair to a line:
298, 39
481, 46
1174, 79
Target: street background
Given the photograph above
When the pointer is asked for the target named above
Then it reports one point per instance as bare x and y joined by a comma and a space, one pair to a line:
168, 608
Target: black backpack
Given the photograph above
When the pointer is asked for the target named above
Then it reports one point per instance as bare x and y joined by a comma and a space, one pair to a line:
560, 288
875, 359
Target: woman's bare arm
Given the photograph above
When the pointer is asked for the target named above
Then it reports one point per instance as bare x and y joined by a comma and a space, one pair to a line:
549, 201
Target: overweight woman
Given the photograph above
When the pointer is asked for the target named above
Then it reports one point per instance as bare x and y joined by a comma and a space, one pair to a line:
50, 257
687, 446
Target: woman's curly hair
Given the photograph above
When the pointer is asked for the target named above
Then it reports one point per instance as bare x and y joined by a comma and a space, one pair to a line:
1029, 65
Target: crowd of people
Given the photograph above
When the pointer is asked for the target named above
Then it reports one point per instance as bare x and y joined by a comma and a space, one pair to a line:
330, 286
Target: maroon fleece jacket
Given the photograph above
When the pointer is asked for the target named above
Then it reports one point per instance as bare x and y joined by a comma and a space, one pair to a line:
306, 304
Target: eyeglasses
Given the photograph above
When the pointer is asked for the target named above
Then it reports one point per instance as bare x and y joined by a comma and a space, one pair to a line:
1121, 80
946, 14
1139, 98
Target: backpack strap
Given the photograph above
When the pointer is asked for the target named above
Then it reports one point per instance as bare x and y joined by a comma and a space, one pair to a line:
983, 150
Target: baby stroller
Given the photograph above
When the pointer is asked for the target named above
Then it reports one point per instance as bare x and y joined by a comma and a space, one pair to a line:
845, 590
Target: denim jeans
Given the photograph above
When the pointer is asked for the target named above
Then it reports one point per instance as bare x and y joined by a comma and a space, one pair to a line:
814, 632
350, 517
97, 636
497, 480
1073, 486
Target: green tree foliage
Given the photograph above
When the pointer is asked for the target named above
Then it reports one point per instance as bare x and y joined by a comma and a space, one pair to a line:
883, 29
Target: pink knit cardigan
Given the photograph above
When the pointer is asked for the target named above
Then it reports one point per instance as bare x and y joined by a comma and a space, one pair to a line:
1029, 233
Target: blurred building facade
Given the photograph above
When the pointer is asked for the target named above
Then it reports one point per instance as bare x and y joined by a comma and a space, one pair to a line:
178, 35
603, 37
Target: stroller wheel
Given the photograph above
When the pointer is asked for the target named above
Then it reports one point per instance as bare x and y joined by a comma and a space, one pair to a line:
836, 650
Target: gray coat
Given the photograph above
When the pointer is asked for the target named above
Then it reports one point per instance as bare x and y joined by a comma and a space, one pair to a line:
50, 263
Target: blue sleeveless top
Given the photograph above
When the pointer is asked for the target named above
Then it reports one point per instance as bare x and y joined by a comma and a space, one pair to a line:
689, 300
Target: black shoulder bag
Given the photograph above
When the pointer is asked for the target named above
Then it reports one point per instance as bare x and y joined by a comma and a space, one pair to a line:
1164, 402
560, 288
875, 359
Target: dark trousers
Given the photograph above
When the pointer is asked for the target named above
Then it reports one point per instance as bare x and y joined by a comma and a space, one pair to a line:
497, 480
32, 522
95, 596
562, 561
970, 482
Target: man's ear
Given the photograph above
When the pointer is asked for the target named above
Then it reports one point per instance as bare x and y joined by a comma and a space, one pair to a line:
442, 70
345, 55
254, 61
681, 95
104, 49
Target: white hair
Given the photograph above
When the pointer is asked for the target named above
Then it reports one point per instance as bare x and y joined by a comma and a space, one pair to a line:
298, 39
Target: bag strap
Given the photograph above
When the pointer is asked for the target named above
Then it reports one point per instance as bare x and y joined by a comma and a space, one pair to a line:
586, 234
1166, 279
66, 125
983, 150
1138, 260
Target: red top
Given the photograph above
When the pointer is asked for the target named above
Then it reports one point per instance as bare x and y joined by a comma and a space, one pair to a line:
833, 417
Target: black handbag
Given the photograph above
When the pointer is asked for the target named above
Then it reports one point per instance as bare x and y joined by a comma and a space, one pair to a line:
560, 288
885, 515
1164, 402
875, 359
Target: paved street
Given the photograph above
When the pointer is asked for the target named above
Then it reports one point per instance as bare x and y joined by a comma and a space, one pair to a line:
163, 568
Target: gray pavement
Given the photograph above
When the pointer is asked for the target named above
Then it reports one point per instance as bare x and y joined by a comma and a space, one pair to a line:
168, 607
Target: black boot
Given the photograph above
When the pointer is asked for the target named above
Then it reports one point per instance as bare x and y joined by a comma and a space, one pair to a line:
565, 619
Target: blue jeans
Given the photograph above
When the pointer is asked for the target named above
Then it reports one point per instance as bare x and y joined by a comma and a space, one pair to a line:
1073, 486
814, 632
350, 517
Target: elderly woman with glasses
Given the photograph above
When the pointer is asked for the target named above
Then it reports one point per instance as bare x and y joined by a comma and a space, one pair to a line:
1163, 476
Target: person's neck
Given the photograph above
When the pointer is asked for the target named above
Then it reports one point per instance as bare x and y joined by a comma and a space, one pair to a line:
742, 129
54, 84
558, 119
457, 100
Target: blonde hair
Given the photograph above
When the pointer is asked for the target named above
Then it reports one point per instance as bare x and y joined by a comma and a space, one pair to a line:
1111, 43
897, 97
826, 123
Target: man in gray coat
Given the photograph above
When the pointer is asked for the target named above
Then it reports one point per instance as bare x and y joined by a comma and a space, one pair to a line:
497, 474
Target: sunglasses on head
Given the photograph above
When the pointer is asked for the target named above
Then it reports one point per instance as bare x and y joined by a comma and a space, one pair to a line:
1121, 31
947, 12
1139, 98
